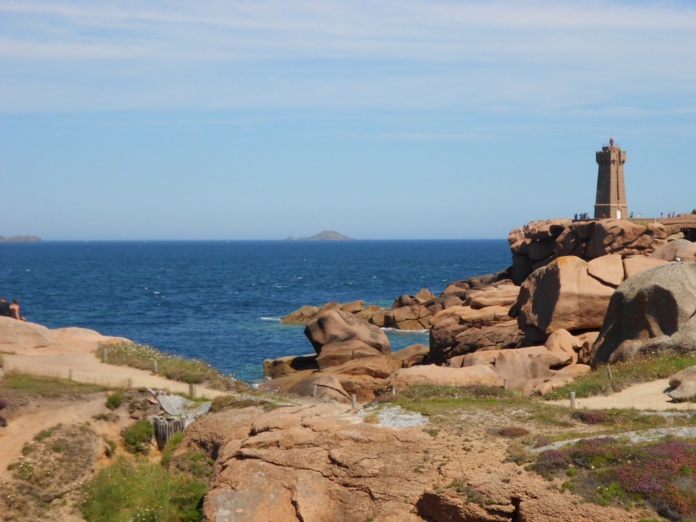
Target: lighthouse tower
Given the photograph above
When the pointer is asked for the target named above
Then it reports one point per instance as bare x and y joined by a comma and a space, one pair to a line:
611, 189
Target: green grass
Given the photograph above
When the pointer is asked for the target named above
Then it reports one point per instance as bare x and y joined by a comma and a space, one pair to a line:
430, 399
22, 383
624, 374
142, 491
170, 366
137, 438
114, 400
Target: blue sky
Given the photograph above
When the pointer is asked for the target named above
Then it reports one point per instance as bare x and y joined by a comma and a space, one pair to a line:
137, 119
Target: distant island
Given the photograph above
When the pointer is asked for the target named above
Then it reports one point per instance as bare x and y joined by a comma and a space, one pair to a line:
19, 239
325, 235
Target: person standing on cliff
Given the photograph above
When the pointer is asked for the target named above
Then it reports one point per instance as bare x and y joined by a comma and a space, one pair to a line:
4, 308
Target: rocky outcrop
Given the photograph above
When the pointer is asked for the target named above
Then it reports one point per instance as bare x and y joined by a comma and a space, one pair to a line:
338, 331
322, 462
651, 312
353, 357
462, 329
282, 366
540, 242
533, 370
679, 249
316, 463
416, 311
564, 295
445, 376
411, 355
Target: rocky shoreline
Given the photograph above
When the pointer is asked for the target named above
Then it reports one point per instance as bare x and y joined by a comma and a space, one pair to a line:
316, 456
534, 326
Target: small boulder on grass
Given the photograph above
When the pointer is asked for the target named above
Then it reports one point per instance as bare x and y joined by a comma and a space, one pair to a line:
682, 385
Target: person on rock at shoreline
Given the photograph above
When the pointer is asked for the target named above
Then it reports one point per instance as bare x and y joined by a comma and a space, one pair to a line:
4, 308
14, 311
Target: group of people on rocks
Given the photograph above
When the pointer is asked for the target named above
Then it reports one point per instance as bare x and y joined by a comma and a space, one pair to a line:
10, 309
582, 215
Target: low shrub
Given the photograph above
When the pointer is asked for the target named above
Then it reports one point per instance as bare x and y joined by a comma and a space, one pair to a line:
624, 374
142, 492
513, 432
114, 400
137, 438
593, 417
609, 471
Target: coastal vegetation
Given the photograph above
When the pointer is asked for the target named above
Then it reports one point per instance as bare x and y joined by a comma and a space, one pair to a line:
515, 413
172, 367
142, 491
606, 379
617, 471
17, 383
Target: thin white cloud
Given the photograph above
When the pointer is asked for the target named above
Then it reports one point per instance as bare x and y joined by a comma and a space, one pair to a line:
413, 53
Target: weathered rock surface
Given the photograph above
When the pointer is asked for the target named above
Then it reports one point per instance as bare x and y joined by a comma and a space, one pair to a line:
337, 327
679, 249
327, 387
683, 385
561, 295
497, 294
635, 264
444, 376
321, 462
411, 355
317, 463
540, 242
35, 336
651, 312
462, 329
281, 366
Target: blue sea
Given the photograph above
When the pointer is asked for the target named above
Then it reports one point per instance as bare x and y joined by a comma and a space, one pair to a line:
221, 301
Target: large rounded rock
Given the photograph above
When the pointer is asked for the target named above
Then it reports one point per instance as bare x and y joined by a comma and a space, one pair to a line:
561, 295
683, 385
651, 312
337, 326
679, 249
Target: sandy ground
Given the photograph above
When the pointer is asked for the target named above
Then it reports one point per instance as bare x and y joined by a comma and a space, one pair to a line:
41, 415
646, 396
34, 349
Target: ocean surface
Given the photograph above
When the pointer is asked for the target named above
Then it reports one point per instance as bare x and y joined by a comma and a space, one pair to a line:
221, 301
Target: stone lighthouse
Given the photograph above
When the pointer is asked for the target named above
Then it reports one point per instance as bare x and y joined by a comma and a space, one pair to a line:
611, 189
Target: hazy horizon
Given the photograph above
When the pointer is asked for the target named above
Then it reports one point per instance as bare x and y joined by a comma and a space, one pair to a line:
400, 120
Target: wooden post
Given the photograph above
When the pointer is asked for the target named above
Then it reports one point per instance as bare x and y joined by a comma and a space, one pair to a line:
609, 373
506, 384
314, 391
130, 383
393, 390
192, 390
154, 366
572, 400
354, 402
105, 355
70, 374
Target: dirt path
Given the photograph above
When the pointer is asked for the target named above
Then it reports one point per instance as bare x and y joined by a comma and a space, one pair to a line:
85, 367
646, 396
44, 414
